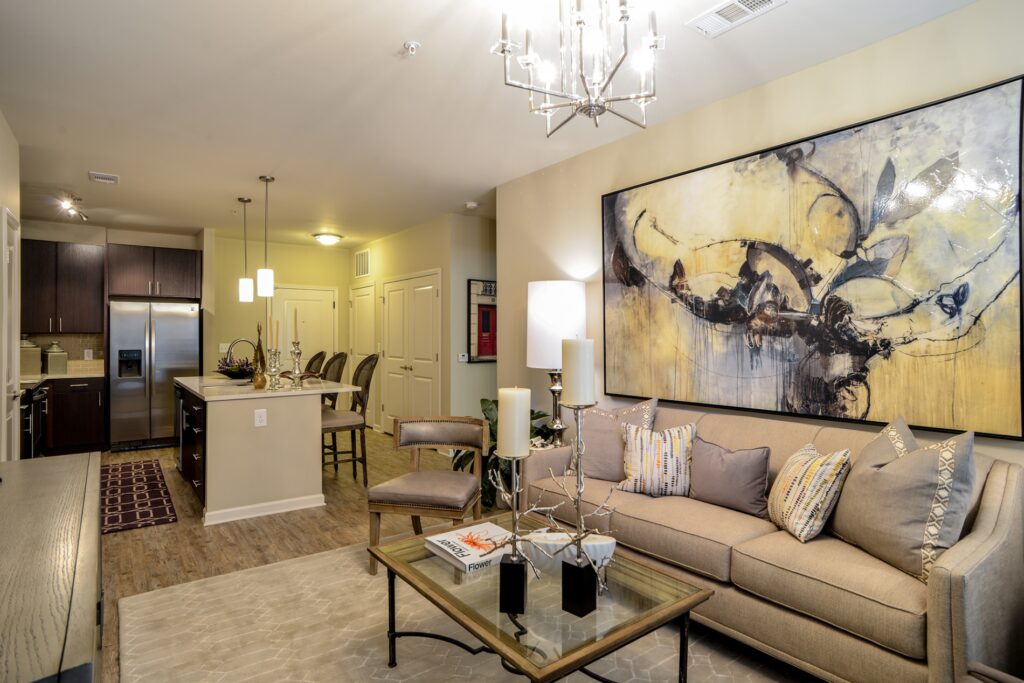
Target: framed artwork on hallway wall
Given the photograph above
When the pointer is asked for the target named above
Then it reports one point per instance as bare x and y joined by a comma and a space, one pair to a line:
482, 321
862, 274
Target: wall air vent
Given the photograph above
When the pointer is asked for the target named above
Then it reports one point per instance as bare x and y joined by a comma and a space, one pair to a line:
105, 178
362, 263
730, 14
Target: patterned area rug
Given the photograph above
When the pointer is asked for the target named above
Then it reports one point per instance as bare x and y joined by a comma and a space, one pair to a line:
323, 618
135, 495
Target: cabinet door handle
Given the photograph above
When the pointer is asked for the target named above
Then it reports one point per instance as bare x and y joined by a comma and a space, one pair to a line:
195, 456
99, 398
76, 386
150, 290
50, 323
195, 483
158, 288
60, 324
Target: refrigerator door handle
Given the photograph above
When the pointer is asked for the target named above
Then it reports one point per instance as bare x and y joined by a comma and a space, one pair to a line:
148, 370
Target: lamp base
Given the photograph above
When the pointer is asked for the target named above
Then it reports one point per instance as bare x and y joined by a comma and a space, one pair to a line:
555, 424
512, 585
579, 588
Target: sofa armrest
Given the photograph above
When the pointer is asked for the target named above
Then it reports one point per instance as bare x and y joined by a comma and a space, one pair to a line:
539, 465
975, 601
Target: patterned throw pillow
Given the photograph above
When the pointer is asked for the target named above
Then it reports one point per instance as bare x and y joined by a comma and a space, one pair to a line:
806, 490
658, 463
602, 432
905, 504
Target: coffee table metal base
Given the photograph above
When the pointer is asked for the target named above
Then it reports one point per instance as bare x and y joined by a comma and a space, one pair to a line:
393, 636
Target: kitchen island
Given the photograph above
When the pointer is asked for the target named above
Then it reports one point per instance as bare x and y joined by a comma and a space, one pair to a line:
249, 453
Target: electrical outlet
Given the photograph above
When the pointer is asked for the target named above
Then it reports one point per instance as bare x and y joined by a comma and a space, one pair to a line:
88, 354
223, 348
463, 357
260, 417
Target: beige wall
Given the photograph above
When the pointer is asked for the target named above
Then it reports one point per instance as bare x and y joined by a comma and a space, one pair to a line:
293, 264
88, 233
10, 173
473, 256
549, 222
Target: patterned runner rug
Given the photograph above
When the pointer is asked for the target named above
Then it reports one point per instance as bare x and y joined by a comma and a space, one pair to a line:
134, 494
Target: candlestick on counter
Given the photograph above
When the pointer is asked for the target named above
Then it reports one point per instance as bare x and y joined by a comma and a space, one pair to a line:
577, 372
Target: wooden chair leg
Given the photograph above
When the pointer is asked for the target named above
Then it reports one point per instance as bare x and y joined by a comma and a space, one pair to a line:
417, 525
334, 448
374, 539
362, 441
353, 433
477, 509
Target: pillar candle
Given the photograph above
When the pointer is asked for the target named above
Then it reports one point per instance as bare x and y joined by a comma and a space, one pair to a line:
578, 372
513, 423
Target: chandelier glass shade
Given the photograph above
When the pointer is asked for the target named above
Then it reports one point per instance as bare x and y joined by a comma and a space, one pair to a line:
581, 58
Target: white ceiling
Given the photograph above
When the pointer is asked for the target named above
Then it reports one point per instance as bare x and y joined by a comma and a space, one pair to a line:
190, 100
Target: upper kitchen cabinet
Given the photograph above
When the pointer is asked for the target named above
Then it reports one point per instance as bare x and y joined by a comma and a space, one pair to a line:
61, 287
153, 272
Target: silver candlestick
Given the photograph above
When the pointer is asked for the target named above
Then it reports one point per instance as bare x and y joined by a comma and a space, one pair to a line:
296, 354
274, 369
555, 424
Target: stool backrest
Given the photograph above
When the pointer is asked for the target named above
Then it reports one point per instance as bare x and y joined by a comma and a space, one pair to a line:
362, 377
443, 432
332, 373
316, 362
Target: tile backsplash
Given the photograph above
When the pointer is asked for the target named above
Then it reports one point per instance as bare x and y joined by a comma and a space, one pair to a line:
74, 344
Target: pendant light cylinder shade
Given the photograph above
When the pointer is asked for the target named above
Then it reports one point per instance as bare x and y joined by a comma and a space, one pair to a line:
265, 282
245, 290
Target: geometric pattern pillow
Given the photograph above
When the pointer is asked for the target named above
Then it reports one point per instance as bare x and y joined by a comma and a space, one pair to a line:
657, 463
602, 433
806, 490
906, 505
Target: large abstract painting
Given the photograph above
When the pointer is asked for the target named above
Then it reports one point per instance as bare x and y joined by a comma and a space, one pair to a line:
862, 274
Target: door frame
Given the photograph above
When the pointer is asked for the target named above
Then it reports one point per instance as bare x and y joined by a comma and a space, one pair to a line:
439, 366
372, 286
10, 329
324, 288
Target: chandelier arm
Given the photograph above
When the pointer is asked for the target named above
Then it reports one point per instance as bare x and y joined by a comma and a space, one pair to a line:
582, 64
629, 98
640, 124
622, 58
566, 120
551, 106
533, 88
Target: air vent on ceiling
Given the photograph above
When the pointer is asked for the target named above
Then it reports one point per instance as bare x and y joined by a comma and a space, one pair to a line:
730, 14
362, 263
105, 178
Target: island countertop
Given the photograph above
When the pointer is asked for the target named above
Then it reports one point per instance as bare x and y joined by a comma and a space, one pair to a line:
219, 388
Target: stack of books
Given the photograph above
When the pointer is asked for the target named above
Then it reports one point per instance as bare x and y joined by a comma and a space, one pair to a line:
471, 548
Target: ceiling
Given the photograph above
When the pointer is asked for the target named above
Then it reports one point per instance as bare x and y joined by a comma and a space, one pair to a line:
191, 100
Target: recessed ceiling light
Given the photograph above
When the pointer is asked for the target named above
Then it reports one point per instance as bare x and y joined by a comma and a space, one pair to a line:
470, 206
327, 239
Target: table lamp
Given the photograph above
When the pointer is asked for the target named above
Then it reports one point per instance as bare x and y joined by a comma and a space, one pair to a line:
555, 310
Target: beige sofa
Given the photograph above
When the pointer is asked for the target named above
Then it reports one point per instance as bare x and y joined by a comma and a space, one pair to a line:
825, 606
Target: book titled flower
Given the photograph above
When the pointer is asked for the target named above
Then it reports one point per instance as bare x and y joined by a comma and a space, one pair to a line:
472, 548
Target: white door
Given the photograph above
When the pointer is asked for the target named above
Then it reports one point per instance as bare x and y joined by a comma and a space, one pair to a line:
316, 314
363, 340
10, 333
411, 376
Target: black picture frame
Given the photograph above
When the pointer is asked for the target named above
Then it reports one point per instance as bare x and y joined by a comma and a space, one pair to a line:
1019, 436
481, 320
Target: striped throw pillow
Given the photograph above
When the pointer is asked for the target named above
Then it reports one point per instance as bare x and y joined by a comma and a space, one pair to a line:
806, 490
657, 463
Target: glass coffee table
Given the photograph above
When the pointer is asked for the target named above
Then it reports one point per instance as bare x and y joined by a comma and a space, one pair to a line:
546, 643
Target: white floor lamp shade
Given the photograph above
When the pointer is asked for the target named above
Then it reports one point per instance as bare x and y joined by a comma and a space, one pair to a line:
555, 310
265, 282
245, 289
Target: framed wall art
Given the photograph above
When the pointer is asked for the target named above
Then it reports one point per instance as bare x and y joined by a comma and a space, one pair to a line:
862, 274
482, 322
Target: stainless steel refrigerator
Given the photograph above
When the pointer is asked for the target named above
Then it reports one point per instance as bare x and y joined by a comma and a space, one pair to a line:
150, 344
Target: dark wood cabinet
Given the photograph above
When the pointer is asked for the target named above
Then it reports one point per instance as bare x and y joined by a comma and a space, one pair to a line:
61, 287
192, 459
153, 272
39, 287
80, 288
75, 420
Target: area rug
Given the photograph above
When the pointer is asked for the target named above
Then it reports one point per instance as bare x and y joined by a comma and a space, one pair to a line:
134, 494
323, 618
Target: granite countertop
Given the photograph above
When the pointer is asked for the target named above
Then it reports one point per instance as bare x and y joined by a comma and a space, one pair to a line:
220, 388
90, 371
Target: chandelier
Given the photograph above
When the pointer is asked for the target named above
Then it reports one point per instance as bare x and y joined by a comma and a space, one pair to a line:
590, 41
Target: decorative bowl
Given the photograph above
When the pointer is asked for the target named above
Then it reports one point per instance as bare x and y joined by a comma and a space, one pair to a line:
237, 373
599, 547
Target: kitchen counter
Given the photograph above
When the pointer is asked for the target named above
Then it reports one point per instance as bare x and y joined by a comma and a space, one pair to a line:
220, 388
30, 382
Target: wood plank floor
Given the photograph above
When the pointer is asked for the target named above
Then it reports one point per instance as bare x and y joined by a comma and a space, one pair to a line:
145, 559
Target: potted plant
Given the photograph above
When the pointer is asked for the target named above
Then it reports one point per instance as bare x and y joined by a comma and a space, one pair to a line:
463, 460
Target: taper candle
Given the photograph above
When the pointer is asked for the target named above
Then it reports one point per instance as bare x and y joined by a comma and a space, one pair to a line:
295, 326
513, 423
277, 334
578, 372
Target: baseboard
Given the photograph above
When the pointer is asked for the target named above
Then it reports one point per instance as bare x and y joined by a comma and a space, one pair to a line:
261, 509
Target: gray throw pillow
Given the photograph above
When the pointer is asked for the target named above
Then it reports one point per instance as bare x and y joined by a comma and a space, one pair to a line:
737, 480
905, 504
603, 440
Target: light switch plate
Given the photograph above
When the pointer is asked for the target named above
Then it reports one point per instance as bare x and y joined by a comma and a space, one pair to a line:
88, 354
223, 348
463, 357
260, 417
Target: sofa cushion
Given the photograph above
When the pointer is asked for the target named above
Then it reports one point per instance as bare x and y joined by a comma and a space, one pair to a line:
602, 432
737, 479
839, 584
546, 492
690, 533
657, 463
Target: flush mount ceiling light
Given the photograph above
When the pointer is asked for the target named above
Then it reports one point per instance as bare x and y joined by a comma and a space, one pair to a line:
245, 285
264, 275
590, 41
327, 239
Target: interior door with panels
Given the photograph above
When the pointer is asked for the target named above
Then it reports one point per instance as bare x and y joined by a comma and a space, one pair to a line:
363, 341
395, 357
424, 335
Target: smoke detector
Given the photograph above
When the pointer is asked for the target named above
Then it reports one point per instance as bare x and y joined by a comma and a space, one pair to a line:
728, 15
104, 178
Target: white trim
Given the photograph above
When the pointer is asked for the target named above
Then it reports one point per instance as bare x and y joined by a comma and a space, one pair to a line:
375, 413
412, 276
260, 509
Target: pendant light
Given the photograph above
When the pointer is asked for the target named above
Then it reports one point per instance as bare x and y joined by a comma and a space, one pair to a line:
245, 284
265, 275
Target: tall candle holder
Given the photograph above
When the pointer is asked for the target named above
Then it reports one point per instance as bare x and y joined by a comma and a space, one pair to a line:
296, 354
274, 369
